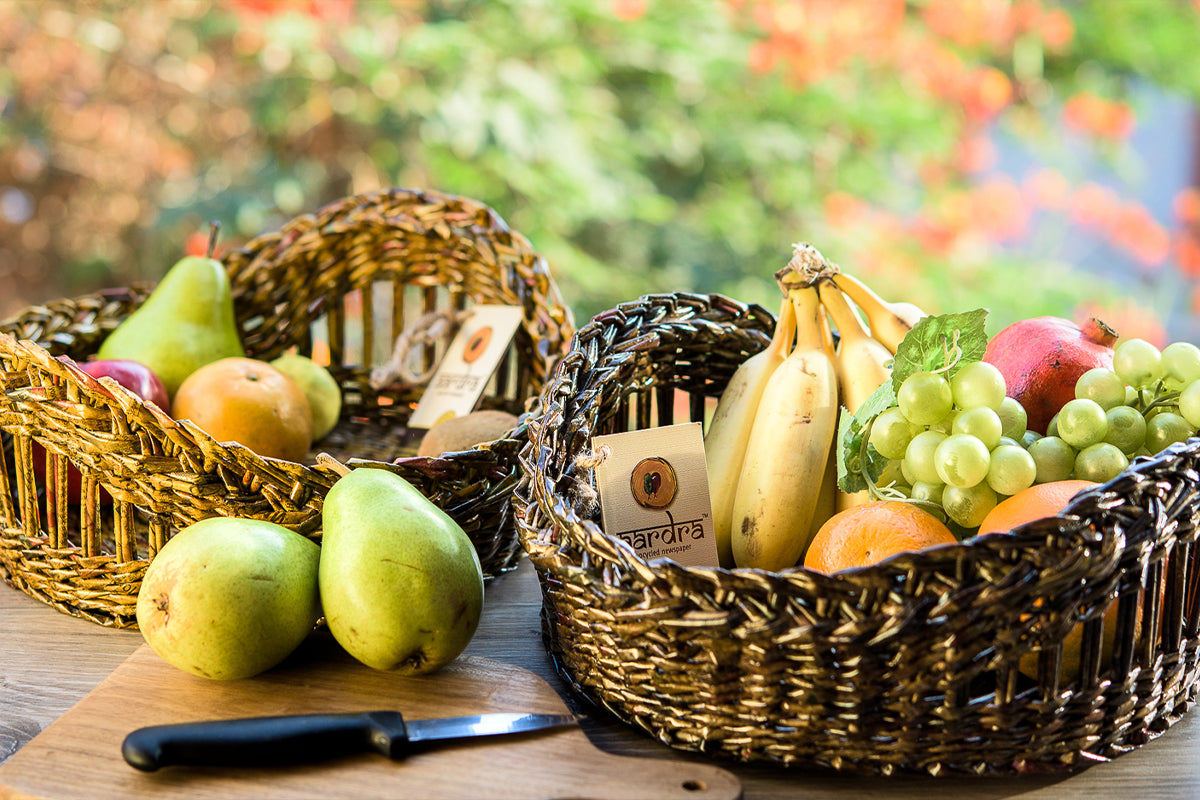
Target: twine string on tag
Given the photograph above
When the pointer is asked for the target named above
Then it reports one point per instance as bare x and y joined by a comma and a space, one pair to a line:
430, 328
586, 500
594, 459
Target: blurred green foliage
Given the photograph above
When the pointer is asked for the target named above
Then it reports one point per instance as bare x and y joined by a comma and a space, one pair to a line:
635, 145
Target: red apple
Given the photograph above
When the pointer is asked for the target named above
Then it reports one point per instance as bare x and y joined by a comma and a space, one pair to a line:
135, 377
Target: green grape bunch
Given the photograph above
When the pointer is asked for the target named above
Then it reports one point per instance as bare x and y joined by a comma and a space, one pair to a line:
943, 432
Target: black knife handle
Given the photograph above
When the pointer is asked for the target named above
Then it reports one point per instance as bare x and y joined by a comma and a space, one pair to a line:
264, 741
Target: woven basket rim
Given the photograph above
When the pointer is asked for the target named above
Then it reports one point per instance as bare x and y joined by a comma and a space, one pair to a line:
535, 454
139, 291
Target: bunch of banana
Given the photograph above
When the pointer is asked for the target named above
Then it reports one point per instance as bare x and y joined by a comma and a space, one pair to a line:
889, 322
775, 504
771, 445
863, 363
725, 441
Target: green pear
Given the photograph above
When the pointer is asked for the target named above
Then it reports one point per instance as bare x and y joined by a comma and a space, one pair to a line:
401, 583
229, 598
186, 322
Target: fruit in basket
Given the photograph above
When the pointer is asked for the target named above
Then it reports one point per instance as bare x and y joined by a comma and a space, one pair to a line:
868, 533
1038, 502
863, 364
1042, 358
228, 598
247, 401
463, 433
725, 440
133, 375
185, 323
400, 581
137, 378
773, 453
320, 389
946, 429
795, 423
941, 430
889, 322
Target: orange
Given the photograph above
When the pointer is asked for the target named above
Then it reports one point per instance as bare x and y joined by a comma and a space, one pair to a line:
870, 532
247, 401
1037, 502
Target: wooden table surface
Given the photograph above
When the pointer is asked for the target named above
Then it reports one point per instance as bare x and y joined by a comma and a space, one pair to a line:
49, 661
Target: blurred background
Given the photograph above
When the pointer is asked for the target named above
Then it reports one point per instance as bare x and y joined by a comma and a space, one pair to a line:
1026, 156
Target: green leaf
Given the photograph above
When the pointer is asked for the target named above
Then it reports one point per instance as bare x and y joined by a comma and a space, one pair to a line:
929, 345
851, 430
849, 440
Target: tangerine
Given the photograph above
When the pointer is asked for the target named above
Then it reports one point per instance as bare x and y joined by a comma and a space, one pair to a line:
1037, 502
870, 532
247, 401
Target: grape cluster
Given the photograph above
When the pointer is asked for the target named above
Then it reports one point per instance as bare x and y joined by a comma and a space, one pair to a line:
962, 443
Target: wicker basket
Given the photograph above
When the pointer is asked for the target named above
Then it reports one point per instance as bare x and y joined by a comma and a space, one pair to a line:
907, 666
398, 254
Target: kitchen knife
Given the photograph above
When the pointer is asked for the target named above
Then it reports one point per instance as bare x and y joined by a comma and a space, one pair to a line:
302, 738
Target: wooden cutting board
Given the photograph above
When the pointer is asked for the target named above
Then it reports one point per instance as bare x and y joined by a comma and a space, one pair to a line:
79, 755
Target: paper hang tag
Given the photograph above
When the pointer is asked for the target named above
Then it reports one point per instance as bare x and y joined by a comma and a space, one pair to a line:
653, 487
463, 373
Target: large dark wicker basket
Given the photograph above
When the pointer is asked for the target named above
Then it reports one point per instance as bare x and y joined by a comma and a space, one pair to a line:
907, 666
352, 276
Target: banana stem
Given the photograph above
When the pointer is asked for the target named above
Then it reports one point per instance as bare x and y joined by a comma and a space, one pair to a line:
808, 265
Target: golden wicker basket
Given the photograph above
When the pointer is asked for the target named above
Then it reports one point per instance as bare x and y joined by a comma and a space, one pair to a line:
352, 276
907, 666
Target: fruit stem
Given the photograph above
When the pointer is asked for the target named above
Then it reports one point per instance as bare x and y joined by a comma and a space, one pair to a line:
950, 349
873, 490
1160, 399
214, 230
887, 492
808, 264
1099, 332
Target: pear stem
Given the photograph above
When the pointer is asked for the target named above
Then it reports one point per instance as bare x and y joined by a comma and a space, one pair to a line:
214, 230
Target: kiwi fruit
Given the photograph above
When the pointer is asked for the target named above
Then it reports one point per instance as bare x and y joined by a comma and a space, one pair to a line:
463, 433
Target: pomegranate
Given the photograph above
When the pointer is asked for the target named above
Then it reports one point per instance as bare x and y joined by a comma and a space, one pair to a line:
1042, 358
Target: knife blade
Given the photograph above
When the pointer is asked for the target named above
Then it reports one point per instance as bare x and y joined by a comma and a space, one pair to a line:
303, 738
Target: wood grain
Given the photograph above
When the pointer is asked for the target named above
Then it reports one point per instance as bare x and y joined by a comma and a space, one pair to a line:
49, 662
145, 690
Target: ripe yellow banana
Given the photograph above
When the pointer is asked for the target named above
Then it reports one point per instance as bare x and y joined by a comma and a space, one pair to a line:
787, 454
830, 499
729, 430
889, 322
863, 364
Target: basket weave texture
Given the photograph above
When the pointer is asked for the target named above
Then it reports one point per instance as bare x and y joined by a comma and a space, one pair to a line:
351, 278
909, 666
